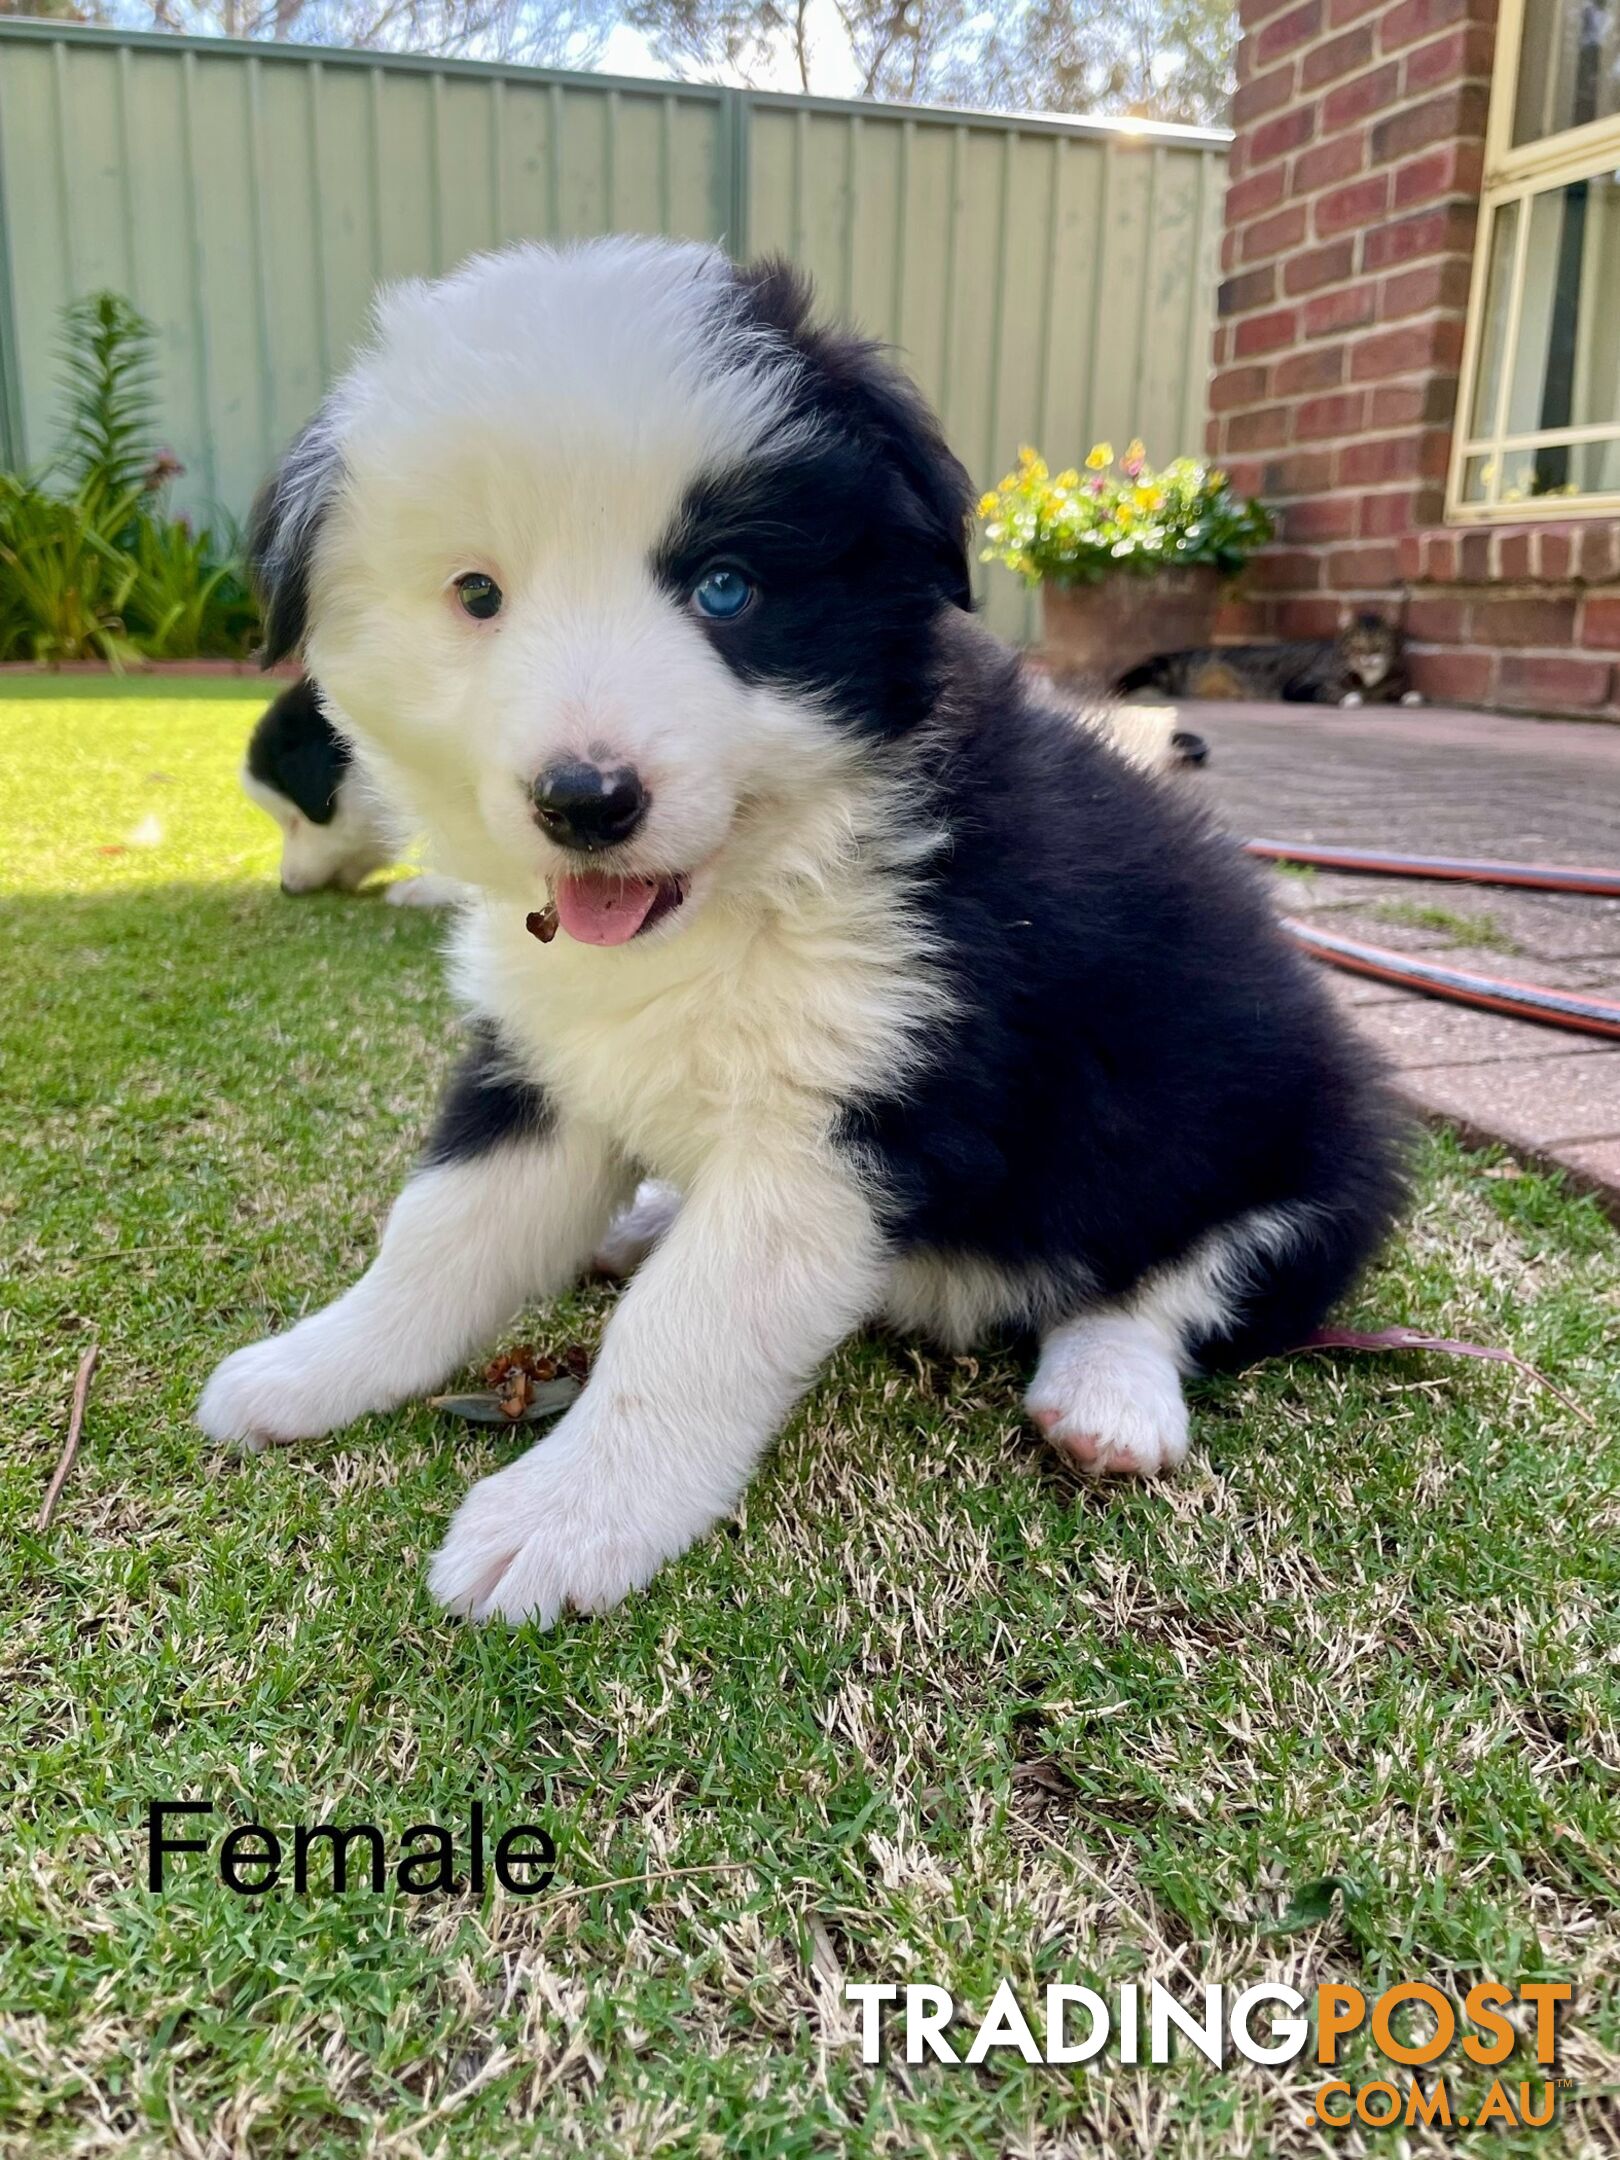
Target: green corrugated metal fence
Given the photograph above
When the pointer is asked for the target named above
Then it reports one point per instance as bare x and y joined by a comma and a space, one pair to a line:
1048, 281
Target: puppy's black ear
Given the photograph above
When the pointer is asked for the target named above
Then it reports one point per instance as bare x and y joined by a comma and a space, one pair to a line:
295, 750
896, 412
863, 384
282, 531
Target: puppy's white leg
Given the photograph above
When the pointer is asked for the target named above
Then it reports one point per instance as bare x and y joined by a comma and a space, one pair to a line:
1107, 1391
763, 1272
635, 1230
467, 1242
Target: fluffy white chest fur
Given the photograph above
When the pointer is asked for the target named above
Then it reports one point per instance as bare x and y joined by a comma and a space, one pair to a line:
756, 1023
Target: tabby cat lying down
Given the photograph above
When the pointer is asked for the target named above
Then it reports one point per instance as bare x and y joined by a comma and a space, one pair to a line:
1364, 665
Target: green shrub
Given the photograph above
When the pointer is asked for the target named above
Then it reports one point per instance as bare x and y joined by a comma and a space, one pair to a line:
190, 595
63, 583
1072, 528
95, 567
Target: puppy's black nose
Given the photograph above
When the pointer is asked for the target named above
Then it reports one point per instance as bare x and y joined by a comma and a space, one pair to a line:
584, 806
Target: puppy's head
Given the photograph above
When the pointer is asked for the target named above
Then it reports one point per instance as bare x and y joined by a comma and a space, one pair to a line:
600, 554
297, 769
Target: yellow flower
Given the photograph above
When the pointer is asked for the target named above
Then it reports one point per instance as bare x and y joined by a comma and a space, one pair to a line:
987, 503
1067, 479
1137, 451
1100, 457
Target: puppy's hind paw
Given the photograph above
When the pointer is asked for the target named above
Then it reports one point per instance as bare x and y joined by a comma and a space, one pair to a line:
636, 1229
1107, 1394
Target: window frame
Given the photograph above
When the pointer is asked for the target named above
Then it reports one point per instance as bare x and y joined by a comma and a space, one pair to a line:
1516, 176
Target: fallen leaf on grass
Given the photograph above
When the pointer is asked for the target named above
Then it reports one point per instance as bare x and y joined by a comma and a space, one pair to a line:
486, 1407
525, 1387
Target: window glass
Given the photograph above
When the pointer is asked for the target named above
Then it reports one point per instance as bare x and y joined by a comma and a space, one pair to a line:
1566, 366
1493, 333
1594, 467
1569, 66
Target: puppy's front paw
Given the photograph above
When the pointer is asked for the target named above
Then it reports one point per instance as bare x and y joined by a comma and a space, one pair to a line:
265, 1394
1109, 1396
564, 1528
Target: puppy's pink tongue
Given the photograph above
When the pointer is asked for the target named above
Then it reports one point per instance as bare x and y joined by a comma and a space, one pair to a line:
599, 909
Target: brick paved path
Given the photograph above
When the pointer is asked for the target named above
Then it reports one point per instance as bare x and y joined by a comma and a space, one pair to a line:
1451, 783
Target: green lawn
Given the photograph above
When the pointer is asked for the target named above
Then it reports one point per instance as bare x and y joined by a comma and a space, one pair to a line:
958, 1714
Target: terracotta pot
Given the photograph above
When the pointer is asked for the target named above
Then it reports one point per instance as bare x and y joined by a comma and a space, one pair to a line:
1095, 632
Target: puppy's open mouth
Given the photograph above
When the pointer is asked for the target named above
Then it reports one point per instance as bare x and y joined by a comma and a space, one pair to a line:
596, 907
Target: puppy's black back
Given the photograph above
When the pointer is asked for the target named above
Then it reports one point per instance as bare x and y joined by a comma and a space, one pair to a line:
295, 750
1138, 1059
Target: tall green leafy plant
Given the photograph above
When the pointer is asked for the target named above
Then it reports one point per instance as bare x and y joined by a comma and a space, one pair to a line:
92, 564
110, 391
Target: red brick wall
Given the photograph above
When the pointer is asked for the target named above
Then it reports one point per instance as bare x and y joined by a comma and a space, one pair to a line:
1350, 216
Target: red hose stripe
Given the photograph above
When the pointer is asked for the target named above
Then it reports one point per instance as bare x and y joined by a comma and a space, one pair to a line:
1585, 1014
1532, 877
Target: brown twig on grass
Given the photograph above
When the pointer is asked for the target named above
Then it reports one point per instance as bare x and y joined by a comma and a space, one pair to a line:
81, 1392
1404, 1338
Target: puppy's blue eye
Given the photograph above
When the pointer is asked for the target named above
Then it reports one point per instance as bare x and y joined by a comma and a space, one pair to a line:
722, 594
480, 596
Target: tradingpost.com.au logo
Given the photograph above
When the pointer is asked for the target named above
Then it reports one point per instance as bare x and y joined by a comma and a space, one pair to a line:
1268, 2023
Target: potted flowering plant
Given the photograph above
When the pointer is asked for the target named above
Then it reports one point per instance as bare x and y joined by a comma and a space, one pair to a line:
1131, 560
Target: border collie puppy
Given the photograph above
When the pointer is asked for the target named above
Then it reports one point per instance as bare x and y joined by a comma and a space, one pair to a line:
649, 600
299, 770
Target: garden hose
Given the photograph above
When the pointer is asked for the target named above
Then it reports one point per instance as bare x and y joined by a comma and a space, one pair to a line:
1575, 1009
1530, 877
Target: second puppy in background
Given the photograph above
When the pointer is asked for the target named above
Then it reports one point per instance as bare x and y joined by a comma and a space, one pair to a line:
333, 830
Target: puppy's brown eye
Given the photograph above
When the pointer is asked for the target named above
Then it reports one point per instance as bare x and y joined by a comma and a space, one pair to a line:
480, 596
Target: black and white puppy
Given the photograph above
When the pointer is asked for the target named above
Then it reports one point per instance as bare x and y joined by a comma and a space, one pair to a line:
334, 832
651, 600
298, 769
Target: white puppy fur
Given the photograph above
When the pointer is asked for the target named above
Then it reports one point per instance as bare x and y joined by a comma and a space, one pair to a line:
1108, 1386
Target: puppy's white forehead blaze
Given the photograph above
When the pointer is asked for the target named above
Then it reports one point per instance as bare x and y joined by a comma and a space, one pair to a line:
540, 397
